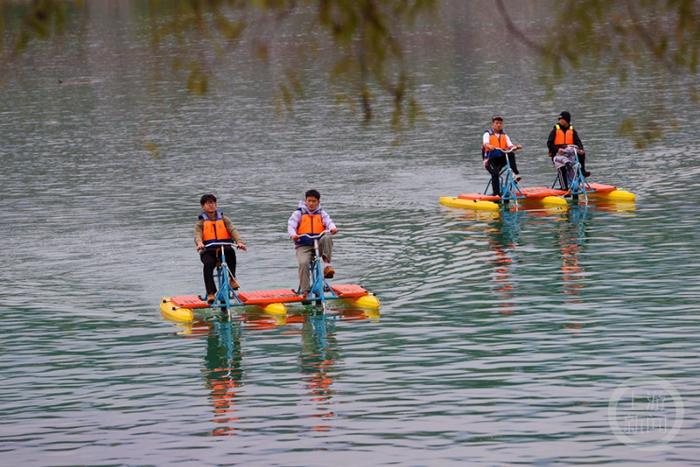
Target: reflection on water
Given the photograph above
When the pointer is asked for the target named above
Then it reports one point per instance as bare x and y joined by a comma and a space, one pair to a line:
502, 337
317, 360
571, 238
224, 372
317, 349
503, 239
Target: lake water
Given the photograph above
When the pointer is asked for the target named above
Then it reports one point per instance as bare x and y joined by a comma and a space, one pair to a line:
529, 337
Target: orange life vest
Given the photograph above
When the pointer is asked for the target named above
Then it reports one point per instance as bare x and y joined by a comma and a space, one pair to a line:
310, 224
497, 141
564, 137
214, 230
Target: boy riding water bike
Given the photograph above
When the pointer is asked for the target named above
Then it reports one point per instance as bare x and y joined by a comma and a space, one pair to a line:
212, 228
310, 219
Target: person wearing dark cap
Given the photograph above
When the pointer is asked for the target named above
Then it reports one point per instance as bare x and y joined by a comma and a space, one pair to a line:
494, 145
213, 227
562, 135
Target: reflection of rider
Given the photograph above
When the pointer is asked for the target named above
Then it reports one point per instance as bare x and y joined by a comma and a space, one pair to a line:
317, 359
562, 135
503, 235
571, 238
310, 218
493, 142
224, 372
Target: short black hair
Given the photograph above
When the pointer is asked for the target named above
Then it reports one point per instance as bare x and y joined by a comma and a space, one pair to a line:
313, 193
497, 118
207, 197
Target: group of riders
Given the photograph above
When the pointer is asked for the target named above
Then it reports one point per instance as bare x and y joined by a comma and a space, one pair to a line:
213, 228
563, 146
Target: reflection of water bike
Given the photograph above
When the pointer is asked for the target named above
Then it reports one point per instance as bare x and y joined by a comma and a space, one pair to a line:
320, 290
570, 176
224, 372
509, 189
226, 296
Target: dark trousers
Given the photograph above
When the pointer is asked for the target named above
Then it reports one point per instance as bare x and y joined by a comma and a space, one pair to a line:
494, 167
210, 258
582, 161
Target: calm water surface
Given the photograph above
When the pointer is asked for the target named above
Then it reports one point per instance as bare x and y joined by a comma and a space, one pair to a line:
501, 339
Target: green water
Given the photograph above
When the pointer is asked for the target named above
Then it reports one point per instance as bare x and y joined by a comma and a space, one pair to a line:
501, 340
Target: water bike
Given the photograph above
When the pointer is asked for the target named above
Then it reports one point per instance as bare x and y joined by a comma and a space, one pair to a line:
573, 184
183, 308
511, 194
574, 188
321, 290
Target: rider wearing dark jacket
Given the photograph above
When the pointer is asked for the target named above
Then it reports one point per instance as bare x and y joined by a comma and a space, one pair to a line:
564, 134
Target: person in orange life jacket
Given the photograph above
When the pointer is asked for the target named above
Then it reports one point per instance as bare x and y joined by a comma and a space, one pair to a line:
213, 226
493, 143
562, 135
310, 218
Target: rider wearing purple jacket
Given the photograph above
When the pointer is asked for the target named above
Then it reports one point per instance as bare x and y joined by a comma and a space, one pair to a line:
310, 218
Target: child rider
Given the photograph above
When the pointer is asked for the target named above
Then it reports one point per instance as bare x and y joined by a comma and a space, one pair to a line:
212, 226
310, 218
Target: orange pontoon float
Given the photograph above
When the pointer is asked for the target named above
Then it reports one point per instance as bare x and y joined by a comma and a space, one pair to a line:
182, 308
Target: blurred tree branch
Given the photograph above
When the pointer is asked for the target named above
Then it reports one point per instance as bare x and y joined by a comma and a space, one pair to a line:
362, 35
624, 38
364, 40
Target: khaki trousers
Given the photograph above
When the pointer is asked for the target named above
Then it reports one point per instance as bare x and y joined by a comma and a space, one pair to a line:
304, 254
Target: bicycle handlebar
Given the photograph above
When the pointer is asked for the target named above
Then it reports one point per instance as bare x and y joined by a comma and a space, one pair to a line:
234, 244
316, 236
504, 151
573, 146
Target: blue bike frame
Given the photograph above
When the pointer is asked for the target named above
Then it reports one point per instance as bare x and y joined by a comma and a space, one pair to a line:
321, 290
226, 297
576, 181
510, 191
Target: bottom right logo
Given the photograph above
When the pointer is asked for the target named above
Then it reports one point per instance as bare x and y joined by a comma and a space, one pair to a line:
646, 413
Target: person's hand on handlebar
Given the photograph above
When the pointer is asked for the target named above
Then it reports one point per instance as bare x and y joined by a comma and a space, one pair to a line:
240, 245
332, 231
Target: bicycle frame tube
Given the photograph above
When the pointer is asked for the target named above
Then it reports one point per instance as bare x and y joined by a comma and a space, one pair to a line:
224, 292
510, 191
570, 178
319, 286
577, 184
317, 275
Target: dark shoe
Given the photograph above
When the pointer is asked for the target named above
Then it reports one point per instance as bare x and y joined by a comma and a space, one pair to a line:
234, 283
328, 272
518, 178
586, 173
211, 298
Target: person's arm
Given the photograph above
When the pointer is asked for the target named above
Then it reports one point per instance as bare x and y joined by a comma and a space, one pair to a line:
577, 142
512, 146
198, 242
293, 224
551, 148
485, 148
328, 222
234, 233
485, 142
